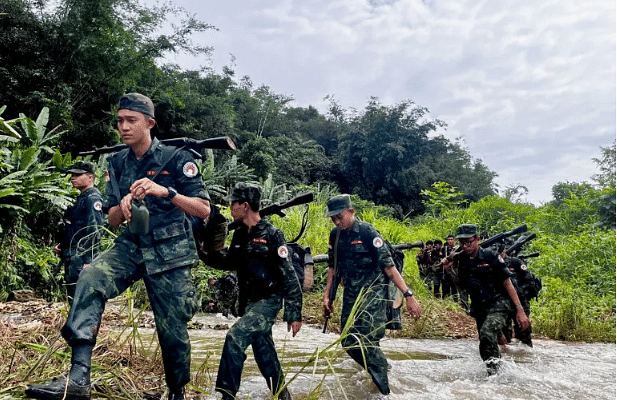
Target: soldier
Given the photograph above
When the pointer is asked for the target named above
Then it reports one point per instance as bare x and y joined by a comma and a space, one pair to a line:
357, 254
425, 261
151, 186
82, 221
527, 288
266, 278
483, 273
436, 256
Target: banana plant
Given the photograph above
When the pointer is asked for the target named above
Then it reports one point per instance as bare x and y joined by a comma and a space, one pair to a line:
30, 169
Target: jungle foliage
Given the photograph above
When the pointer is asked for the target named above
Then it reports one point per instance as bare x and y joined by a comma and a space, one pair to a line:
406, 179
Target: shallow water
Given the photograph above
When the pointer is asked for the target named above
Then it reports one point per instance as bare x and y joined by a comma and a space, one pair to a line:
421, 368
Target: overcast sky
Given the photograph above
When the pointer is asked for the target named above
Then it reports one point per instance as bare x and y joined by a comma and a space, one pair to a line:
528, 84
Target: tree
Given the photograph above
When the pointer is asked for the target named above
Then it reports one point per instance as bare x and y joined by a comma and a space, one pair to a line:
606, 177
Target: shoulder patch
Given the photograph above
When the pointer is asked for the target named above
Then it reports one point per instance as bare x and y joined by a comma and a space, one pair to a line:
190, 169
524, 267
283, 252
98, 205
377, 242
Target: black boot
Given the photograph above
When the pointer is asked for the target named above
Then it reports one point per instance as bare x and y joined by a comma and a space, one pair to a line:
58, 389
176, 394
285, 395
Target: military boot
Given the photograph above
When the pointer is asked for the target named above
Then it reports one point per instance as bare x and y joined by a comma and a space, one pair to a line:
285, 395
176, 394
59, 389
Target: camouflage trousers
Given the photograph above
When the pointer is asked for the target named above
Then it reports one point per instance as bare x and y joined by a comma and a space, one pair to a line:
253, 328
361, 342
490, 322
171, 294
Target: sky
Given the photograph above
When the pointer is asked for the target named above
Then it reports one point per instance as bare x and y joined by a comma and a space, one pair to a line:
528, 85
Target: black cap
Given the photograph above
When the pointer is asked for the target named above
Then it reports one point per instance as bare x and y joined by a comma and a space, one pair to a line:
82, 167
466, 231
338, 204
246, 192
137, 102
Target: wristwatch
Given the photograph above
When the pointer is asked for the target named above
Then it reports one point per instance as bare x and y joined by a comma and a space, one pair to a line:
408, 293
172, 193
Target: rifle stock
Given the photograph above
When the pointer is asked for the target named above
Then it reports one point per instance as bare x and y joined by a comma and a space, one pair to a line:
217, 143
278, 208
526, 256
520, 242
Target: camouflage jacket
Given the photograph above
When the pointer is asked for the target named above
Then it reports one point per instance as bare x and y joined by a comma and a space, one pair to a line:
170, 242
362, 258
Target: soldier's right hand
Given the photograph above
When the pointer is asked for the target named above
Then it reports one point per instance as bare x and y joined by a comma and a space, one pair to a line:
125, 206
447, 264
326, 308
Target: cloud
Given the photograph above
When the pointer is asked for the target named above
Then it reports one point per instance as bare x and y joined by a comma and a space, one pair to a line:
529, 84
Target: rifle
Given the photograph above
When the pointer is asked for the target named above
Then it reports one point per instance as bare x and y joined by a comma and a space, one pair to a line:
458, 250
320, 258
526, 256
277, 208
193, 145
516, 247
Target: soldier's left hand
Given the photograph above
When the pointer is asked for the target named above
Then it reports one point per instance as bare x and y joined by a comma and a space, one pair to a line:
413, 307
523, 320
144, 186
294, 327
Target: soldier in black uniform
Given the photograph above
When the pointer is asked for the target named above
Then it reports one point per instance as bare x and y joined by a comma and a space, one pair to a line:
266, 278
483, 273
151, 186
357, 253
425, 261
437, 268
82, 222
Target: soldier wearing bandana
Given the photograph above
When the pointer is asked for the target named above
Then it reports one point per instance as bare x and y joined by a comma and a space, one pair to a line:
356, 253
485, 276
266, 278
82, 221
152, 187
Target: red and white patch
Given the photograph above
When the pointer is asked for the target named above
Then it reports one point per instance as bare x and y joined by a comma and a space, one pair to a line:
283, 252
377, 242
260, 240
356, 242
98, 206
524, 267
190, 169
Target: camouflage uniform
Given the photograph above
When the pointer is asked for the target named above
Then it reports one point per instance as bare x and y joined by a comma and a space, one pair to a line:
362, 258
482, 277
80, 238
266, 278
162, 258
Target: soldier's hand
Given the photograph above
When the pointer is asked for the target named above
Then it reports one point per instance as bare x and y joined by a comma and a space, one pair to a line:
413, 307
144, 186
523, 320
326, 308
294, 327
57, 249
126, 206
447, 264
